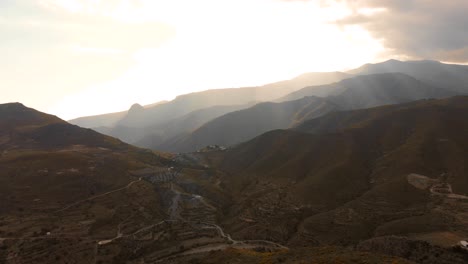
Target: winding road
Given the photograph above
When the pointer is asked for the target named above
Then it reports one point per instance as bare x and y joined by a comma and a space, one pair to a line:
174, 215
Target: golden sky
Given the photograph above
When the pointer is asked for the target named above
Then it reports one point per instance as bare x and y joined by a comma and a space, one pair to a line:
81, 57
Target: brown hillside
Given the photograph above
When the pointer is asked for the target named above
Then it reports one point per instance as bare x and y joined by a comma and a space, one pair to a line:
353, 180
63, 188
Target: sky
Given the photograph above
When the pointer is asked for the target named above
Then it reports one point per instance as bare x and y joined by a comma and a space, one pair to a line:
76, 58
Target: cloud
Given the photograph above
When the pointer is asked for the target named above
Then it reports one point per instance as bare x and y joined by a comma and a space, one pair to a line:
429, 29
127, 51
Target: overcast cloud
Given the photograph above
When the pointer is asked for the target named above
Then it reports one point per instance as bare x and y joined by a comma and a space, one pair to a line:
419, 29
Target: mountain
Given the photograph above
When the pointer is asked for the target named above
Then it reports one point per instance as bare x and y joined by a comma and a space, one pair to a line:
319, 91
72, 195
385, 88
354, 93
394, 170
447, 76
373, 90
69, 194
128, 125
185, 104
64, 188
22, 127
239, 126
173, 129
148, 127
15, 115
105, 120
153, 136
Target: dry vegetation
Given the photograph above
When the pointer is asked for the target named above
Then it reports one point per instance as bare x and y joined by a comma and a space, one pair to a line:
88, 198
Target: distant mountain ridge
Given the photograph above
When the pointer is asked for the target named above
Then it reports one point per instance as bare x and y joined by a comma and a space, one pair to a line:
161, 126
104, 120
184, 104
242, 125
354, 93
137, 127
447, 76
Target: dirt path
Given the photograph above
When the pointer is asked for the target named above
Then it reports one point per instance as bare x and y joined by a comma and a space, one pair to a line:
221, 232
118, 235
174, 215
204, 202
97, 196
445, 189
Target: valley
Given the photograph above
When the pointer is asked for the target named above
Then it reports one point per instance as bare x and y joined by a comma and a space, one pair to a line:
233, 132
369, 169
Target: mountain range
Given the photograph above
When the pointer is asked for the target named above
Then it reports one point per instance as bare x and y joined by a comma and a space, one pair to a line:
350, 176
367, 166
354, 93
379, 185
154, 118
189, 122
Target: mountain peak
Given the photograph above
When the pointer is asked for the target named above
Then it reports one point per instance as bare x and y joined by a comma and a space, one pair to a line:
392, 61
12, 106
136, 108
14, 114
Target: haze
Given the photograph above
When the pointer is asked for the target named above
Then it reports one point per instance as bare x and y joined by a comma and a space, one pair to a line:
81, 57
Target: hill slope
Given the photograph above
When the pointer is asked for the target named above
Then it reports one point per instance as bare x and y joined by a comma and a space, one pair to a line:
447, 76
153, 136
185, 104
63, 188
358, 92
245, 124
105, 120
72, 195
69, 194
391, 170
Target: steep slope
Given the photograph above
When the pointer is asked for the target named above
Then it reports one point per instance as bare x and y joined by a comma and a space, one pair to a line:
245, 124
185, 104
147, 128
392, 170
448, 76
72, 195
155, 136
105, 120
358, 92
151, 125
15, 115
386, 88
63, 188
22, 127
320, 91
373, 90
151, 137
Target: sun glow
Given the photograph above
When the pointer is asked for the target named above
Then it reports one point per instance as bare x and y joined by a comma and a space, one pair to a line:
208, 44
